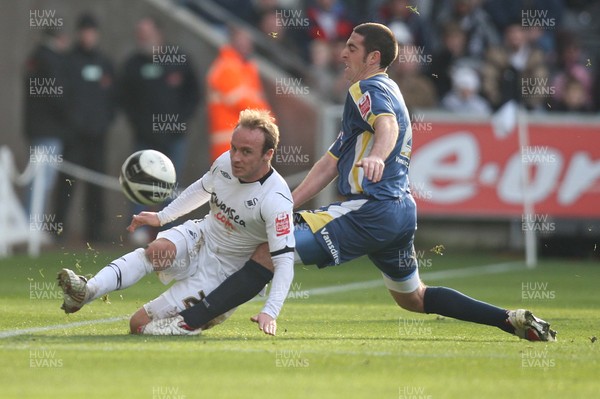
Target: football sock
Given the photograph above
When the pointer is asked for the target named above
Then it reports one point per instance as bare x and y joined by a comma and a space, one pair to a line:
448, 302
237, 289
119, 274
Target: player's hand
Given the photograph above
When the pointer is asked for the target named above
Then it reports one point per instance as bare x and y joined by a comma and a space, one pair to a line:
266, 323
373, 167
143, 218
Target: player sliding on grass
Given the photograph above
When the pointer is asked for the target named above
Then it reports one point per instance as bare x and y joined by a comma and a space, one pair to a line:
250, 204
370, 156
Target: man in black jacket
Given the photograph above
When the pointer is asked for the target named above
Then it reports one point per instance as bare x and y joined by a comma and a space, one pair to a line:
159, 92
91, 109
45, 111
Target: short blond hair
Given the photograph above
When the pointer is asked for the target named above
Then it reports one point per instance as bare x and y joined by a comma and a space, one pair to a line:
263, 120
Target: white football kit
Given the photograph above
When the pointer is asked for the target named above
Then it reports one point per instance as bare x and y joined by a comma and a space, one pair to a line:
242, 216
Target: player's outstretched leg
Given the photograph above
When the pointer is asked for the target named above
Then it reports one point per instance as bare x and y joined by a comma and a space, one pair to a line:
119, 274
451, 303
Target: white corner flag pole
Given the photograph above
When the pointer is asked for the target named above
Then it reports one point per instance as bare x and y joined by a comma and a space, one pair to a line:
528, 206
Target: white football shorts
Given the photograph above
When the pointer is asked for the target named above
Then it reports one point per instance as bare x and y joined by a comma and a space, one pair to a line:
197, 271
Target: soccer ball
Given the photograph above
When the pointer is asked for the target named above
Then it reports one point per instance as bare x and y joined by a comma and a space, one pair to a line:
147, 177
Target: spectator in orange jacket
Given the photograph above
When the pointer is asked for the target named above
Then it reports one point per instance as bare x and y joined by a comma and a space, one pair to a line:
233, 84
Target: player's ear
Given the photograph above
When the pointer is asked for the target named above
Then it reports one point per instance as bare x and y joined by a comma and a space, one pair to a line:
269, 154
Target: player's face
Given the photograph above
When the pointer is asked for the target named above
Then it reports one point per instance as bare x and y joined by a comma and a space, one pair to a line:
355, 57
248, 163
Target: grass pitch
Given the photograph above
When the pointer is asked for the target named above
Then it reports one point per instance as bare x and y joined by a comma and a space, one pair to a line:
350, 341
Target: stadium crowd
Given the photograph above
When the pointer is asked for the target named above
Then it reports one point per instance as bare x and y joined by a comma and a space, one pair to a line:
459, 55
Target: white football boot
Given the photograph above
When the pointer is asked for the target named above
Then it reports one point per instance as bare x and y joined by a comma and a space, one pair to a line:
75, 292
168, 326
529, 327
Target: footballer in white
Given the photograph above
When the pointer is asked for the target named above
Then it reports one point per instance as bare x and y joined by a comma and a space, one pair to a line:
250, 206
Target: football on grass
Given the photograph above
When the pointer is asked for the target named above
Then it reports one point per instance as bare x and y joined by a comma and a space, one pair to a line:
147, 177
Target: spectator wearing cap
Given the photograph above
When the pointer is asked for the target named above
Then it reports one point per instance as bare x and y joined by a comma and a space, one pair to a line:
464, 97
91, 110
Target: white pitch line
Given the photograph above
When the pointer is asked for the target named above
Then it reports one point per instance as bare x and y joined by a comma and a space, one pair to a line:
14, 333
444, 274
441, 275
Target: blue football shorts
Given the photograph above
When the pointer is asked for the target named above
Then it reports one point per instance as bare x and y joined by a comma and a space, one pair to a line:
342, 231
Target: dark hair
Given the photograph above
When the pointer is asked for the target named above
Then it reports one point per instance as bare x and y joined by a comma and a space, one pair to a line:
378, 37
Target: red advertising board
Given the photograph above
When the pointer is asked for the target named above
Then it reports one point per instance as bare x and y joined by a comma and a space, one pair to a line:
464, 169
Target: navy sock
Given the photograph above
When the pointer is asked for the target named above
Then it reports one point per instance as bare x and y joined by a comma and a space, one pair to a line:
237, 289
448, 302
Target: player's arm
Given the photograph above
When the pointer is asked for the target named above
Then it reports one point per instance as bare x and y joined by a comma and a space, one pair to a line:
193, 197
320, 175
384, 140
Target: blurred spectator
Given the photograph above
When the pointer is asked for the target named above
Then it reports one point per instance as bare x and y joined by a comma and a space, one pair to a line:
45, 110
452, 53
417, 89
474, 21
572, 70
515, 71
233, 84
285, 41
543, 17
404, 12
464, 98
91, 108
574, 97
324, 77
328, 20
159, 93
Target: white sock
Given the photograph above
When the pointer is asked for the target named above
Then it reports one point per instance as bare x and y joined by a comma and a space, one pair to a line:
119, 274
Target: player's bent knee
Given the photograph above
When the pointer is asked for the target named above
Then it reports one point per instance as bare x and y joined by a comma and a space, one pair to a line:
161, 252
138, 320
412, 301
262, 256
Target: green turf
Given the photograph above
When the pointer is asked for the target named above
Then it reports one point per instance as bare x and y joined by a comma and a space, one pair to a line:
354, 344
